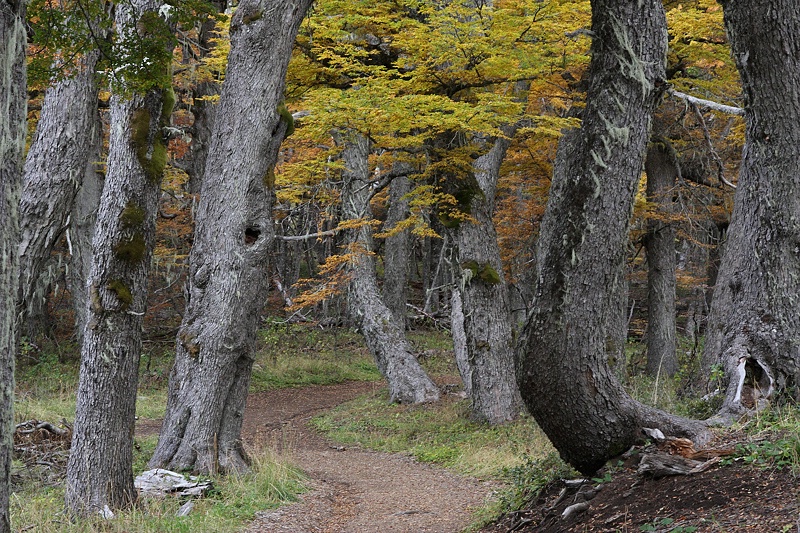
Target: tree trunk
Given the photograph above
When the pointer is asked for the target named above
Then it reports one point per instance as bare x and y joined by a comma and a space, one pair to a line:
408, 382
228, 265
54, 171
460, 341
484, 293
13, 104
754, 327
662, 172
398, 251
563, 370
99, 470
81, 230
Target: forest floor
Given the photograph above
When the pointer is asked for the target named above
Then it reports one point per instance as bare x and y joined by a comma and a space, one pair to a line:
361, 491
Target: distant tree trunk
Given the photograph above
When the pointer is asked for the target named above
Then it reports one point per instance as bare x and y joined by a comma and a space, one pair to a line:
662, 172
81, 230
54, 171
563, 373
754, 327
460, 341
13, 104
398, 251
484, 293
229, 262
203, 111
99, 470
408, 382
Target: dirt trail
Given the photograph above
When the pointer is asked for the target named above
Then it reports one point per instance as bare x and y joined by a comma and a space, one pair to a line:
353, 490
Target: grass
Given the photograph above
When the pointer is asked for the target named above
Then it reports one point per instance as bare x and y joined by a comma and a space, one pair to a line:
233, 503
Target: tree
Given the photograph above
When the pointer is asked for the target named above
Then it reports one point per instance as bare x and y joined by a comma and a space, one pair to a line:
754, 327
563, 372
228, 265
385, 337
488, 364
99, 470
13, 104
662, 171
397, 251
59, 157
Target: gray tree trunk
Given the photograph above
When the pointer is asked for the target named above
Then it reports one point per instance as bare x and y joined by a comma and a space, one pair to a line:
754, 326
563, 373
662, 172
99, 470
398, 252
13, 107
386, 340
81, 231
460, 341
54, 171
228, 265
484, 294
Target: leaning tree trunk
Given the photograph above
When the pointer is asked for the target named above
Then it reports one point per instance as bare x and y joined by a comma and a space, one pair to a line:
385, 338
484, 295
99, 470
81, 230
396, 259
754, 327
13, 102
229, 267
54, 171
662, 171
563, 371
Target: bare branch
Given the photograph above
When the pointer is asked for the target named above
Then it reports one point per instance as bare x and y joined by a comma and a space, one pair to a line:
329, 233
700, 102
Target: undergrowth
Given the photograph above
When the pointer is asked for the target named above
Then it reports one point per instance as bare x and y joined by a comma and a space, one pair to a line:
233, 503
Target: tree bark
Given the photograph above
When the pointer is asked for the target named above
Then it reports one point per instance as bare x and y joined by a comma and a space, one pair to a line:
99, 470
754, 327
386, 340
484, 294
563, 371
81, 230
53, 175
662, 171
398, 251
228, 265
13, 106
460, 341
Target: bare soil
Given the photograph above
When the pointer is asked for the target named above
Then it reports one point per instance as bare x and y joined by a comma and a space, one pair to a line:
352, 490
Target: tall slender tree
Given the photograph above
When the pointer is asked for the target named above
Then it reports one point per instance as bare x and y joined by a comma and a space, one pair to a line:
383, 332
99, 470
228, 265
563, 370
489, 361
13, 105
754, 326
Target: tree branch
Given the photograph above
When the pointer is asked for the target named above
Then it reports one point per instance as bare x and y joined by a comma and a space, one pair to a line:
700, 102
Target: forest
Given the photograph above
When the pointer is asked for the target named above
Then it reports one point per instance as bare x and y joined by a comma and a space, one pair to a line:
576, 197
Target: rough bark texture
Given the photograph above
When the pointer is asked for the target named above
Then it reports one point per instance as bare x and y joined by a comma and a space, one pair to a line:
484, 293
754, 327
398, 251
563, 373
229, 268
13, 103
81, 230
99, 470
408, 382
662, 172
54, 171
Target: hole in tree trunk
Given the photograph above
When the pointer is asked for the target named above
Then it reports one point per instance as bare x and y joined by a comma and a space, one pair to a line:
755, 382
251, 235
